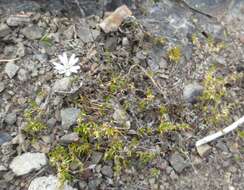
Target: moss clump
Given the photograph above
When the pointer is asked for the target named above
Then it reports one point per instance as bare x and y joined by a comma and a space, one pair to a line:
165, 127
63, 158
241, 134
33, 116
212, 98
174, 54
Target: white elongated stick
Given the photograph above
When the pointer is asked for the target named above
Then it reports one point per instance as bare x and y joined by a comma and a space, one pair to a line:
226, 130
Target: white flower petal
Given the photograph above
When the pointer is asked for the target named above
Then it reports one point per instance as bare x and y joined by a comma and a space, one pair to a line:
71, 59
67, 66
63, 59
74, 69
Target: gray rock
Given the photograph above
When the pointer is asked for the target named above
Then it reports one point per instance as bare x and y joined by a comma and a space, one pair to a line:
96, 157
15, 20
4, 137
2, 86
178, 162
69, 138
4, 30
82, 184
107, 171
10, 118
3, 168
39, 99
20, 50
192, 92
69, 117
222, 146
11, 69
63, 84
22, 75
204, 150
51, 122
33, 32
28, 162
94, 184
48, 183
120, 116
9, 176
173, 175
41, 57
86, 34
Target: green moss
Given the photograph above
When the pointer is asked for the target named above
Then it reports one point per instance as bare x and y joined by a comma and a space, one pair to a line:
165, 127
212, 98
155, 172
33, 117
63, 158
174, 54
146, 156
241, 134
117, 84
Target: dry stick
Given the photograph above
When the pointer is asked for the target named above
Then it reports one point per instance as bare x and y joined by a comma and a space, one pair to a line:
221, 133
8, 60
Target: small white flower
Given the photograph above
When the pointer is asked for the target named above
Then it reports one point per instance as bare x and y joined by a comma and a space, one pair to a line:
67, 66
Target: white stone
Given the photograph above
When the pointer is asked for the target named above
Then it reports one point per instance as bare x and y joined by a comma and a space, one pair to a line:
28, 162
11, 69
48, 183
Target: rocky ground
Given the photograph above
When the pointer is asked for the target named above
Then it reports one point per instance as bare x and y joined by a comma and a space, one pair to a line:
144, 94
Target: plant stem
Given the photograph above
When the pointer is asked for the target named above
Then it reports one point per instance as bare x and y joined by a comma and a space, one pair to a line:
220, 133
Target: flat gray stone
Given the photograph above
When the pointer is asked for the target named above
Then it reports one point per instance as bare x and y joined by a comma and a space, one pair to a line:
69, 138
2, 86
178, 162
4, 137
10, 118
22, 75
48, 183
63, 84
192, 92
28, 162
107, 171
33, 32
69, 117
15, 20
11, 69
4, 30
